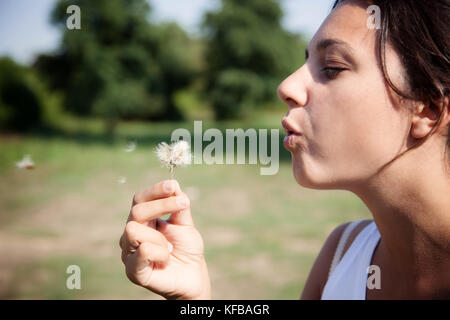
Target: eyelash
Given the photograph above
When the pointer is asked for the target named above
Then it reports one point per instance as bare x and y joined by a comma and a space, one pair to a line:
332, 73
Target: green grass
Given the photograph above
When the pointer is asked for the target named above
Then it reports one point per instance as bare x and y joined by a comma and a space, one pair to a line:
262, 233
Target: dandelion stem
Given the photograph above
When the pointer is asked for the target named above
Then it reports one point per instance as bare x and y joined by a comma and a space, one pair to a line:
171, 172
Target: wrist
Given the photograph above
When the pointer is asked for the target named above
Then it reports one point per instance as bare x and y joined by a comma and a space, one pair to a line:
202, 292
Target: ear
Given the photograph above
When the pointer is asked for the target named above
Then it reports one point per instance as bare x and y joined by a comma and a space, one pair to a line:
425, 117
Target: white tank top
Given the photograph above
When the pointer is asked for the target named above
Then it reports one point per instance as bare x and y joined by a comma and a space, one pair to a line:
348, 280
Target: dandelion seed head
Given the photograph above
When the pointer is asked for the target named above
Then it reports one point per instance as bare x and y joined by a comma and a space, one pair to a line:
175, 155
181, 153
163, 153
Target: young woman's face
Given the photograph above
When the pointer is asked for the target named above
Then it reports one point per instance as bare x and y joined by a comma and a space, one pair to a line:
339, 102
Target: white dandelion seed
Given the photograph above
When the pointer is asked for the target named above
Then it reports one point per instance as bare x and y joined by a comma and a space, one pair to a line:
25, 163
131, 146
177, 154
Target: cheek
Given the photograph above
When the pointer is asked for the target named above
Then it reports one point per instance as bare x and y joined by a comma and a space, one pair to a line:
376, 126
355, 128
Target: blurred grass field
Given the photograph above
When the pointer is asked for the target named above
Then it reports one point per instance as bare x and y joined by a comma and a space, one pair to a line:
261, 233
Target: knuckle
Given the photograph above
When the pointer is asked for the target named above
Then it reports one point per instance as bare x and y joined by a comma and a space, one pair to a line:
134, 213
130, 229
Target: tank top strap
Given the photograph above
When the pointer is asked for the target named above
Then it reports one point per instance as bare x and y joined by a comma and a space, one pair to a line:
341, 244
348, 280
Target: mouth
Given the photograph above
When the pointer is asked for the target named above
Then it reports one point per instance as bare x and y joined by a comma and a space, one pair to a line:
292, 135
291, 141
289, 128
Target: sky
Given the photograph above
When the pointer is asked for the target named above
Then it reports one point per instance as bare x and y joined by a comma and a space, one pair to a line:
25, 29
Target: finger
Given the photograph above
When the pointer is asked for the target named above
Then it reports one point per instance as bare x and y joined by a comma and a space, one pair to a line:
157, 191
147, 211
145, 257
136, 233
182, 217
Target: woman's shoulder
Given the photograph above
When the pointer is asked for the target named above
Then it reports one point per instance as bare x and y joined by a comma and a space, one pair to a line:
319, 273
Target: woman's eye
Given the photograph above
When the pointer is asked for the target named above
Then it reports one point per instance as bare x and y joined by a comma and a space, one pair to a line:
331, 73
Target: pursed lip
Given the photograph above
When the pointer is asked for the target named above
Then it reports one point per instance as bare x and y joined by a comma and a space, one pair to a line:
289, 128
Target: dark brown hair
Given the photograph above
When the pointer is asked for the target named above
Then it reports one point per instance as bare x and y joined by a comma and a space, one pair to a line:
419, 32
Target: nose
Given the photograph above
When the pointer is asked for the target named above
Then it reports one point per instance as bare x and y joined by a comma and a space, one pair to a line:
292, 90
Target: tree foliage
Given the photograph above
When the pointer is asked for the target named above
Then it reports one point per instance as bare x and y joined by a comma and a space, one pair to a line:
248, 54
119, 64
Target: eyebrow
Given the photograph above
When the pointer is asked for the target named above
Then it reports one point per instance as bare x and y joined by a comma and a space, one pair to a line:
329, 42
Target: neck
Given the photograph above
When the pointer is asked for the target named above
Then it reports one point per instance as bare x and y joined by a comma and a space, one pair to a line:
410, 203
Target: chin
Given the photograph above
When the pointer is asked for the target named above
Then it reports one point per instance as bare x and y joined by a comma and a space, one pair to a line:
311, 178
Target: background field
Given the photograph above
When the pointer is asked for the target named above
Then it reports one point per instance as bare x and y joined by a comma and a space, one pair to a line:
262, 233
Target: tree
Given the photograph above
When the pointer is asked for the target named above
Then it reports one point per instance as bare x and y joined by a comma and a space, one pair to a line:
20, 104
248, 54
118, 65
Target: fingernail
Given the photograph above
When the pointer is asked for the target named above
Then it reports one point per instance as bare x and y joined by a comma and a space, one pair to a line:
168, 186
182, 201
169, 246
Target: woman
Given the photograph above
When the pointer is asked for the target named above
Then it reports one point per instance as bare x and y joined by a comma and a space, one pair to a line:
368, 112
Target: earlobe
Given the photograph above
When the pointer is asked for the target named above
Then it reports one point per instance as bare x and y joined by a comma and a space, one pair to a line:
423, 120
